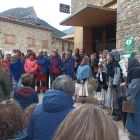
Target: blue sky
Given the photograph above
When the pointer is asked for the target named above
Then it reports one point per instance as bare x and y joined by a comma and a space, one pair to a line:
45, 9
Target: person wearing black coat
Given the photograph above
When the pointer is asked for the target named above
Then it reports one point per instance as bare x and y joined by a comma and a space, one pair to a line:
77, 62
102, 86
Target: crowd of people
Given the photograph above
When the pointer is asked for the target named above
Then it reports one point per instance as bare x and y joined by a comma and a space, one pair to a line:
62, 80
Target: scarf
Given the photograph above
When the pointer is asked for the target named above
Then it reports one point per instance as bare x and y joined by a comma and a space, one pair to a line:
13, 62
133, 69
110, 68
86, 61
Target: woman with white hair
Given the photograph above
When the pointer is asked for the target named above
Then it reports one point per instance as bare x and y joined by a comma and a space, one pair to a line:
6, 62
16, 70
56, 105
103, 60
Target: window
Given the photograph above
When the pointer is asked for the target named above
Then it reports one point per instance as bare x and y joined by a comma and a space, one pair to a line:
10, 39
31, 42
45, 42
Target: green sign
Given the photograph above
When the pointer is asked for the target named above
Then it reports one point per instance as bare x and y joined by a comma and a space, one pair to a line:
139, 48
129, 43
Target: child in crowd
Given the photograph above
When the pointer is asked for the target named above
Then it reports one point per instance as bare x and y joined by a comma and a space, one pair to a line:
26, 95
102, 86
12, 121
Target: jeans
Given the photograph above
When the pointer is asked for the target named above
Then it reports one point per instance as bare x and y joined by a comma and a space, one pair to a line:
17, 84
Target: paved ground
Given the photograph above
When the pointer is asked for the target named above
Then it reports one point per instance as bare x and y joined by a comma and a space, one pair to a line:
92, 101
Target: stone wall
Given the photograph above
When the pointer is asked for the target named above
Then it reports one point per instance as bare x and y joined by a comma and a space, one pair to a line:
128, 24
22, 33
58, 44
77, 4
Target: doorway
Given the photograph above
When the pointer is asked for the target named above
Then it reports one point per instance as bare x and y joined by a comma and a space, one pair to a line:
104, 38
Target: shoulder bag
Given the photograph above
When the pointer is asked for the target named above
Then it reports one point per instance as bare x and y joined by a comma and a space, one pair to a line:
128, 106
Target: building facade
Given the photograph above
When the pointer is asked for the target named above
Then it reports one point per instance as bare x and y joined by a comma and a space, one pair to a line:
15, 34
105, 24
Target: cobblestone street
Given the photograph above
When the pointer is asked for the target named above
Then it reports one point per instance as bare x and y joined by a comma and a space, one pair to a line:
92, 101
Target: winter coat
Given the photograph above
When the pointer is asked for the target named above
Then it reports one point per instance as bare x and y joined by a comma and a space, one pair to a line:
16, 69
5, 63
70, 67
58, 63
47, 116
26, 96
5, 87
43, 63
117, 91
31, 66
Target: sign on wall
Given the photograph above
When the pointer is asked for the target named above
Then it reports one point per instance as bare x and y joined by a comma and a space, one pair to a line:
129, 43
64, 8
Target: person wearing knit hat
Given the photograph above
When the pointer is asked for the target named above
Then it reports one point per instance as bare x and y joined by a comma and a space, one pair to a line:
16, 70
2, 56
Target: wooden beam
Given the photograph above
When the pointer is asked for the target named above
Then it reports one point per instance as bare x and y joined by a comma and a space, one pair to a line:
111, 39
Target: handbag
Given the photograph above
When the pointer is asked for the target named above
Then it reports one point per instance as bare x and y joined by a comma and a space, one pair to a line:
128, 106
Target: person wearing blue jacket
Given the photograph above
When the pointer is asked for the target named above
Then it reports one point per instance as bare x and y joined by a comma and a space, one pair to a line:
55, 65
16, 70
56, 105
42, 71
68, 66
26, 95
71, 56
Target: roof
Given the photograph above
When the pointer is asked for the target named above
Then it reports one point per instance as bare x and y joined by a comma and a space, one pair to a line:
63, 40
68, 36
91, 16
24, 24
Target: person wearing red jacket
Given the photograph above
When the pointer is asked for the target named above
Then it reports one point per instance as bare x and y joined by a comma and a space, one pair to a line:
6, 62
31, 67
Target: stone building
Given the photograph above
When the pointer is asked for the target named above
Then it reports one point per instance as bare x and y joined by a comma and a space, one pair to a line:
104, 24
15, 34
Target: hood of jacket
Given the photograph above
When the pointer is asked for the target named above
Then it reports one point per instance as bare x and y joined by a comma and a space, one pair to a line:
25, 92
56, 100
